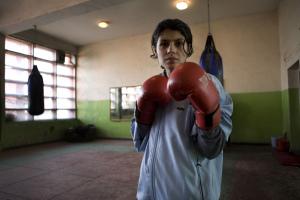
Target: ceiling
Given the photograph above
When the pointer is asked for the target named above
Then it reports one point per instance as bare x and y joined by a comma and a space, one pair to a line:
132, 17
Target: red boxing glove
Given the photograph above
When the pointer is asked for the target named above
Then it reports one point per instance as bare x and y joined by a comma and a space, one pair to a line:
154, 94
189, 80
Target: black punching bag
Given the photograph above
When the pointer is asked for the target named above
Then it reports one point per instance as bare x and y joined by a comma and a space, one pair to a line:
35, 92
211, 60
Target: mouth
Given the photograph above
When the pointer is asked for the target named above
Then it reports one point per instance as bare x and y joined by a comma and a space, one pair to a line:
171, 60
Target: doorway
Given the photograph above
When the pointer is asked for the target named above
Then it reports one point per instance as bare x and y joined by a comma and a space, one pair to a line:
294, 101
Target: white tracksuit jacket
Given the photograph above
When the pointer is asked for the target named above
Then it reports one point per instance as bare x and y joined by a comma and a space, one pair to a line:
181, 161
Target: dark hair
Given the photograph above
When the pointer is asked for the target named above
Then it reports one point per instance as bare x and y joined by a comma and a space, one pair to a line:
177, 25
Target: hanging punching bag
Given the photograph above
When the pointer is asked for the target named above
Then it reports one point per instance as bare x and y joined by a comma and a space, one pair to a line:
35, 92
211, 60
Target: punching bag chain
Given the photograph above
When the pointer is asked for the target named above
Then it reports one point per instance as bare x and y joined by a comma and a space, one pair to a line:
34, 28
208, 17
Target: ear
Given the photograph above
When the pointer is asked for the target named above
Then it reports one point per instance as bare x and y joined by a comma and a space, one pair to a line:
154, 55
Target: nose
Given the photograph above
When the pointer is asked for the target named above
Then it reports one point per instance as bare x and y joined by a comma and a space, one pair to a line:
171, 48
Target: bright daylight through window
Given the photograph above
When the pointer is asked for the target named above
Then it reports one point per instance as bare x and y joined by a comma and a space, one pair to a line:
59, 81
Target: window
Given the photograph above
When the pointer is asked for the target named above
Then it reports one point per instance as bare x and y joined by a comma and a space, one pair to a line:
59, 81
122, 102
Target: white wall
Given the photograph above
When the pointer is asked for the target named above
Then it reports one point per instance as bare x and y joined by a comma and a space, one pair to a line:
289, 32
249, 47
250, 51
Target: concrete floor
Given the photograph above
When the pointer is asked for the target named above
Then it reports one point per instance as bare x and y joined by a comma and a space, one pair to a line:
251, 172
109, 169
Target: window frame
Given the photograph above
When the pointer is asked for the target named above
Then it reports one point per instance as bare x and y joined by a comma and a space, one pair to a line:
119, 114
32, 58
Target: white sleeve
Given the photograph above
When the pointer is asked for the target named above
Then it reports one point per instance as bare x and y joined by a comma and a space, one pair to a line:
140, 135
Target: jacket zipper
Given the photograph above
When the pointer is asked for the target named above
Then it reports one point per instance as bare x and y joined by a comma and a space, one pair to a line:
154, 161
198, 165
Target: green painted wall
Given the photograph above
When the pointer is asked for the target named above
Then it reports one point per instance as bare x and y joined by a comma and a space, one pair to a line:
291, 117
257, 117
285, 112
15, 134
97, 113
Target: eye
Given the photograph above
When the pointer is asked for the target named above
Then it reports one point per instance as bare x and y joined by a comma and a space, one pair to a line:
164, 44
179, 43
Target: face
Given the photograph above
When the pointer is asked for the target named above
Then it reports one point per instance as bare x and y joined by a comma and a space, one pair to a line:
170, 49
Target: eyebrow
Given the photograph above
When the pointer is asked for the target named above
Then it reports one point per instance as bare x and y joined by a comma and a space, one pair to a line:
162, 39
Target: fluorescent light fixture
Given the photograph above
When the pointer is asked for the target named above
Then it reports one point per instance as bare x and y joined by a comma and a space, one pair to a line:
103, 24
182, 4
